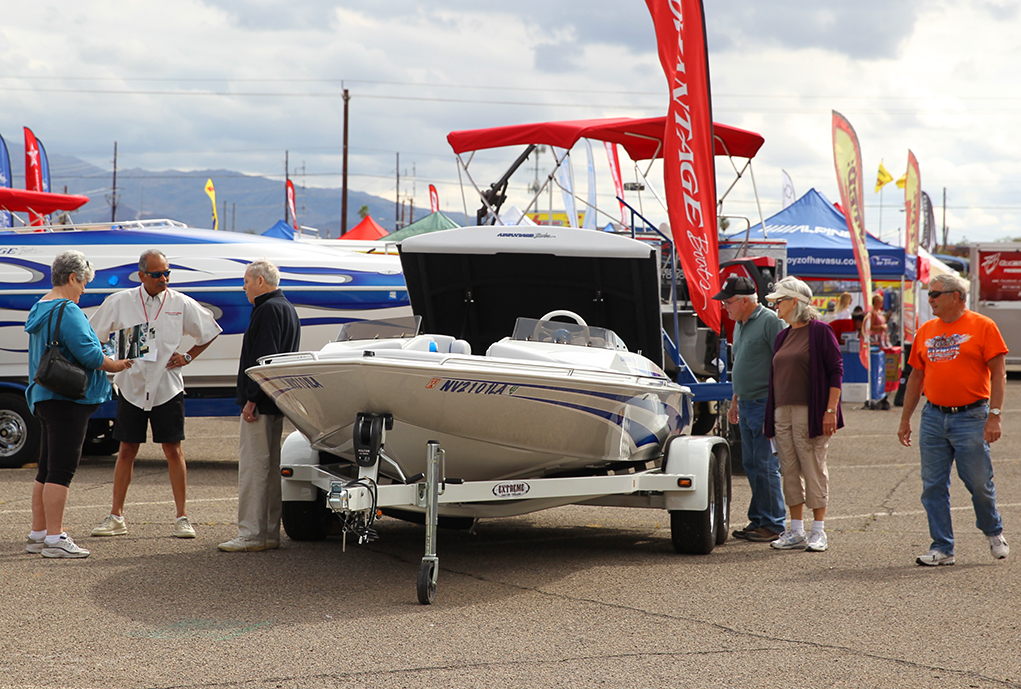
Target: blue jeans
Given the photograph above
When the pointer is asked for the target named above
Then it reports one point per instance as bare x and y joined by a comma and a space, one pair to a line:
761, 467
942, 439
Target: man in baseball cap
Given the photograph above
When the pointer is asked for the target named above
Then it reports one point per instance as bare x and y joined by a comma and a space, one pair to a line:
755, 329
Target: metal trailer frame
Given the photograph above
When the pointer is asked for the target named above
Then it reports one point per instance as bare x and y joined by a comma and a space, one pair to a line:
693, 484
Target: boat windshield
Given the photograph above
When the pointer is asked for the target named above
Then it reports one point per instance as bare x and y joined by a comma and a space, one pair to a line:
533, 330
391, 328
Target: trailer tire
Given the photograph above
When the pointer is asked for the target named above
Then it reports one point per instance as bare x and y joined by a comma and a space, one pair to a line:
99, 440
426, 585
704, 419
694, 533
307, 520
19, 432
723, 493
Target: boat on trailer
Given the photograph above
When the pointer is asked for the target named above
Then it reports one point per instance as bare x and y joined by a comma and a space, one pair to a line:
552, 410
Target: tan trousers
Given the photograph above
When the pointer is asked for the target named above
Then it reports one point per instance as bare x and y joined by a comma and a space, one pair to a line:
259, 479
802, 459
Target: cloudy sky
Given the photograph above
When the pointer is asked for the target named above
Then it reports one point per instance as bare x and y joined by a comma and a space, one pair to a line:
233, 84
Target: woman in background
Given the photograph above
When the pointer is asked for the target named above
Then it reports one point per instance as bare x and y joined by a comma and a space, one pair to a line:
803, 410
63, 420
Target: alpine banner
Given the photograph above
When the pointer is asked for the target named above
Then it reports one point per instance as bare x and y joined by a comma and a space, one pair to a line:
618, 184
290, 204
689, 174
847, 161
6, 219
434, 200
33, 173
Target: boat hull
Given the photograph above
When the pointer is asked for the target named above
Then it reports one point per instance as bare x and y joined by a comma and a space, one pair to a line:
495, 419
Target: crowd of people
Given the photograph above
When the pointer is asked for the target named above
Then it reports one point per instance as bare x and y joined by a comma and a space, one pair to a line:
150, 395
787, 386
787, 379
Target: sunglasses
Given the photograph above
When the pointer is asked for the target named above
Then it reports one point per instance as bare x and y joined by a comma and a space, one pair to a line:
155, 274
935, 294
781, 299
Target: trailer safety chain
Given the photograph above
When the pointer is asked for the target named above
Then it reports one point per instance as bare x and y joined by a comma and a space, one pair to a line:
361, 525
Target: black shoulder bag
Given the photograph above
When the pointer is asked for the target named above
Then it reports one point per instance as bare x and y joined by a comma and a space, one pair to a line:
56, 373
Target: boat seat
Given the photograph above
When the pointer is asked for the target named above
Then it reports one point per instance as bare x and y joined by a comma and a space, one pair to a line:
443, 344
507, 349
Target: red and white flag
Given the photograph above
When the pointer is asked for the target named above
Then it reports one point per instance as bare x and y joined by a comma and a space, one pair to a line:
290, 204
688, 166
618, 184
33, 172
434, 200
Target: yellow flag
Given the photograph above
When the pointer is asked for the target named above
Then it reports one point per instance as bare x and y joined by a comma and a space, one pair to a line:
884, 177
903, 181
211, 193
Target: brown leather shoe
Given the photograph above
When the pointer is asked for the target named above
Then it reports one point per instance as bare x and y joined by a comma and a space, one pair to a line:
762, 534
742, 533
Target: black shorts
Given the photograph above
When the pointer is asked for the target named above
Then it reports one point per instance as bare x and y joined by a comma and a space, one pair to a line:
167, 421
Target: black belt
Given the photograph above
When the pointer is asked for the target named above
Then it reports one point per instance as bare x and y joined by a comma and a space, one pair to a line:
954, 410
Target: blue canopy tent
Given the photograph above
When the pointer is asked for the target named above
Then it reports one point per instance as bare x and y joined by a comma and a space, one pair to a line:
819, 245
281, 230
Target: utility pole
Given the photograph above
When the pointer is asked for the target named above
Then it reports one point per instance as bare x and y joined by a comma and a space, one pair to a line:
944, 219
397, 217
287, 177
343, 183
113, 196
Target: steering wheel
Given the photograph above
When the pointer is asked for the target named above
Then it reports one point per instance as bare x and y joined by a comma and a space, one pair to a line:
572, 315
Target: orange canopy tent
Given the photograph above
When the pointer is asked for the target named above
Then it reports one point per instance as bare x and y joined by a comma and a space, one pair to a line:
366, 229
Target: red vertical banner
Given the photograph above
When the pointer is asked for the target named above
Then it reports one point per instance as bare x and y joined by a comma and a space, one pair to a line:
689, 174
33, 172
847, 161
434, 200
618, 184
290, 204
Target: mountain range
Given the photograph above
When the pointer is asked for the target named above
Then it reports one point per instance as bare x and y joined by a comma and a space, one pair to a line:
245, 203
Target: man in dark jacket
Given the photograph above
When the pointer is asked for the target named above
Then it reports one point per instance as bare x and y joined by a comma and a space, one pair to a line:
274, 328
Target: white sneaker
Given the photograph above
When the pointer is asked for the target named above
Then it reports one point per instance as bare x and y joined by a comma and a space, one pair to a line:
183, 528
65, 547
111, 526
935, 557
241, 545
33, 546
998, 546
817, 542
790, 540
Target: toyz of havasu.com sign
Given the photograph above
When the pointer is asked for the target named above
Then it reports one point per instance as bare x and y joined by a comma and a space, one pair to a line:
1000, 278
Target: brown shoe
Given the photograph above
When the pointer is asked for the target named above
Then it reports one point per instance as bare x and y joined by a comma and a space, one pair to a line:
761, 535
743, 533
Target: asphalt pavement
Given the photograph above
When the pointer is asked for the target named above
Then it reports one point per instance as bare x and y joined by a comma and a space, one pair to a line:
575, 597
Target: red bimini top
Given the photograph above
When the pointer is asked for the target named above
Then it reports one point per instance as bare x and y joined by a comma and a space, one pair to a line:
641, 138
41, 202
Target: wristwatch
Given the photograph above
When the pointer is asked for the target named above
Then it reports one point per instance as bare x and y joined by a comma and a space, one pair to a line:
831, 411
187, 357
995, 412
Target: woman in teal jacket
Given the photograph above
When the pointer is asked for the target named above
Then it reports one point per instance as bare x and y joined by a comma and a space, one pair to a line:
63, 420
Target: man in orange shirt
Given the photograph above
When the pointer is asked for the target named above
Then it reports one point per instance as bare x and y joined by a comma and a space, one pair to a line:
959, 362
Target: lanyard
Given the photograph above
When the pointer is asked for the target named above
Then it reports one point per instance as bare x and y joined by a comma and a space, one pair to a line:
145, 311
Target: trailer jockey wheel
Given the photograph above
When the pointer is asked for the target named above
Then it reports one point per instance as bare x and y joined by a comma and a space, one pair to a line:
427, 582
369, 434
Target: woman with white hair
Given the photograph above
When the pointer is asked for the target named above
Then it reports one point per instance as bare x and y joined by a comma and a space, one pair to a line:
63, 420
803, 410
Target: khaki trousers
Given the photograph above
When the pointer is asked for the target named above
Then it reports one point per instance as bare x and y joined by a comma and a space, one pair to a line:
802, 459
259, 479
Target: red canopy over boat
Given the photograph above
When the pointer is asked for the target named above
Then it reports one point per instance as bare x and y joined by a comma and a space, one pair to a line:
41, 202
366, 229
641, 138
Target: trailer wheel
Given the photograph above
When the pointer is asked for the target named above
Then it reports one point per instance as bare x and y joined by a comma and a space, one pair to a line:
307, 520
99, 440
426, 583
723, 493
694, 533
19, 432
704, 421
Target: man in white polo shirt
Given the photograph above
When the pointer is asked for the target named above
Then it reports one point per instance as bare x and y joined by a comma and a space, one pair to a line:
153, 393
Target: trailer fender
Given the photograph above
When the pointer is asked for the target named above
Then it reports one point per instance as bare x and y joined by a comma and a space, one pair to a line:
692, 455
297, 451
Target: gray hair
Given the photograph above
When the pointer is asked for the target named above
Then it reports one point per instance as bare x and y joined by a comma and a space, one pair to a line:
71, 261
953, 283
143, 260
803, 312
267, 271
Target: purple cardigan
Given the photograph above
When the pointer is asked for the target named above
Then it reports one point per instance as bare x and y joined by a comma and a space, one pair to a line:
825, 371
